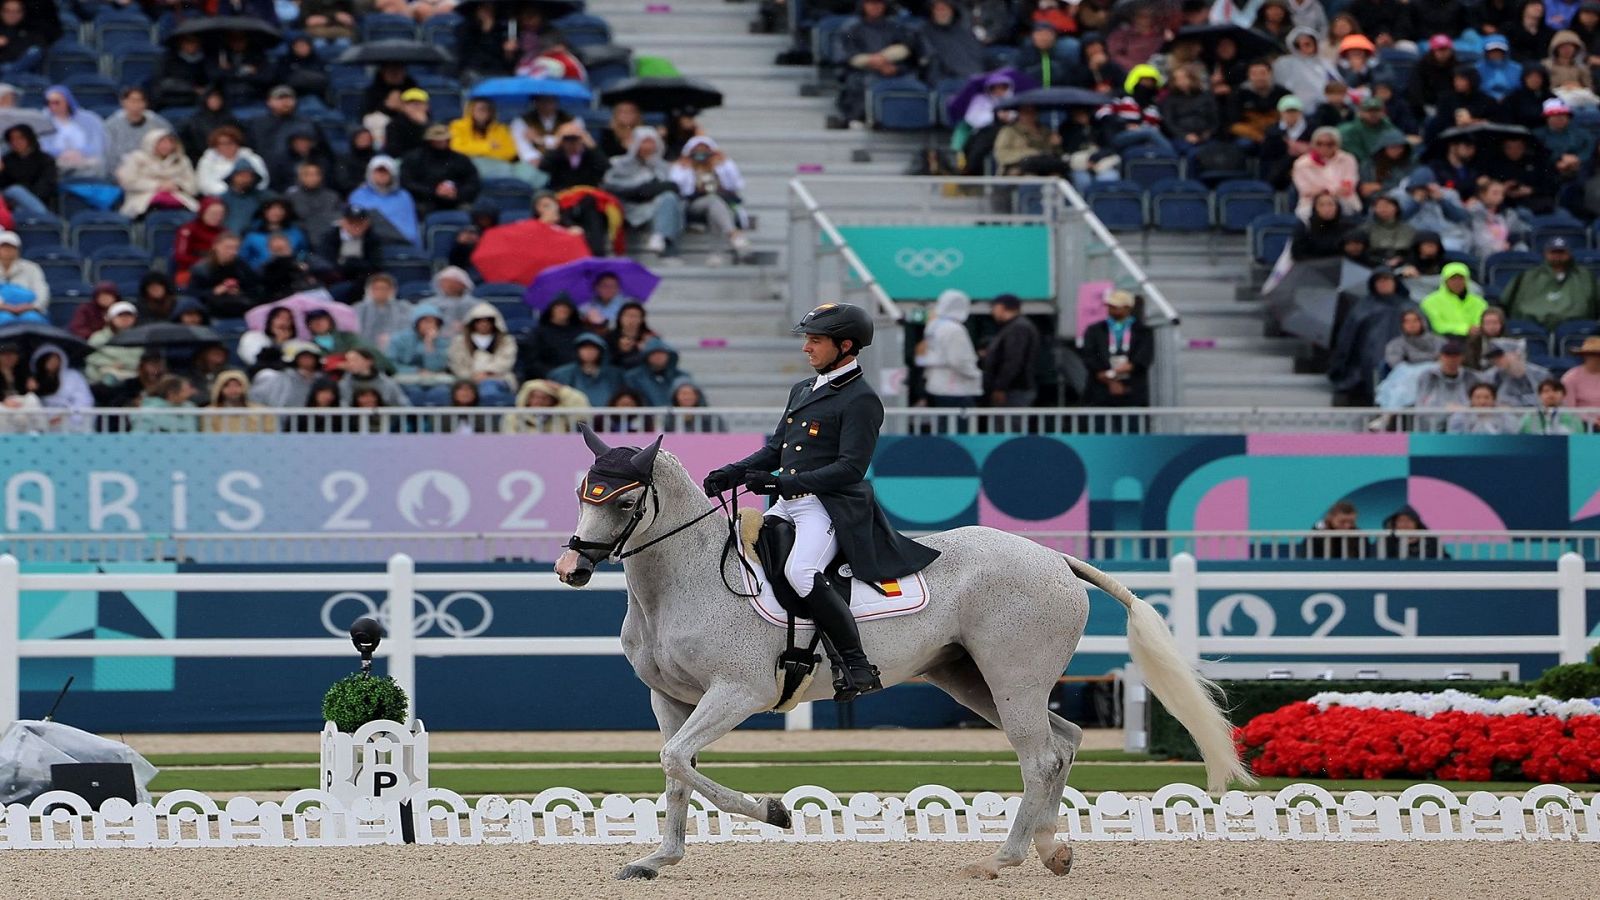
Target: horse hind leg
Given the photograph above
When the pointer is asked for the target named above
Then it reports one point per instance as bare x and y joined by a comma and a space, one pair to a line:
1047, 766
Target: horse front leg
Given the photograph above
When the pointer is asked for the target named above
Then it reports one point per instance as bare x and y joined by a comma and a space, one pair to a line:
670, 716
720, 711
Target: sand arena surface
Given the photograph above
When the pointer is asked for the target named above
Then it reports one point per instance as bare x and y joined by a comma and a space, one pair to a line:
854, 871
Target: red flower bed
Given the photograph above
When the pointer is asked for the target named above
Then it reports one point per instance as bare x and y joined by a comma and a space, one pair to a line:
1345, 742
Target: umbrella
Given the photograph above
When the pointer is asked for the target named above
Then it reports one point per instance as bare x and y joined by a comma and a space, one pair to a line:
166, 334
1485, 134
518, 252
1305, 301
215, 26
576, 280
29, 335
662, 94
524, 88
957, 105
414, 53
595, 55
1252, 44
1055, 98
344, 317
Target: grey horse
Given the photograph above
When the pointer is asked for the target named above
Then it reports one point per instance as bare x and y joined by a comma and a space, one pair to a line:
1004, 619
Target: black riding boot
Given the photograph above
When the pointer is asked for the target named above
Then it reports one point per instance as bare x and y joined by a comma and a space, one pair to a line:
854, 674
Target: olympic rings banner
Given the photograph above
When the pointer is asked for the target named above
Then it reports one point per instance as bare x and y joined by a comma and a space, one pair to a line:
918, 262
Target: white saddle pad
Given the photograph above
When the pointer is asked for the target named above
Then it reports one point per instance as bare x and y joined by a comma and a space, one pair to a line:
900, 598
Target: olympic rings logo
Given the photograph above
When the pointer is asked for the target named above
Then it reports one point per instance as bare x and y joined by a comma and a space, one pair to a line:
929, 261
429, 614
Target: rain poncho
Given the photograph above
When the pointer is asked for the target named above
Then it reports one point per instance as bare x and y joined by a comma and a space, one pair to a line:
392, 202
949, 361
1304, 75
79, 140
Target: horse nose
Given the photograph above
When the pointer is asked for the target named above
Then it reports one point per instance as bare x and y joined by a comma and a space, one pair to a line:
579, 577
573, 569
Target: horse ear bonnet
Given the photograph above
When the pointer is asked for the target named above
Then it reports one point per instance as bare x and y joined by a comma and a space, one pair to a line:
612, 473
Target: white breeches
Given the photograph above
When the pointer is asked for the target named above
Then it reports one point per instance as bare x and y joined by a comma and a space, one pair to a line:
814, 543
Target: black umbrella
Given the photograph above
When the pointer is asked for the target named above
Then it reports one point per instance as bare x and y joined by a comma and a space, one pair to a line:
29, 335
1252, 44
1484, 134
166, 334
1055, 98
595, 55
216, 26
662, 94
411, 53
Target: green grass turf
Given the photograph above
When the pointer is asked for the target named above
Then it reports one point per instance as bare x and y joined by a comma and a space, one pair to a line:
773, 779
641, 756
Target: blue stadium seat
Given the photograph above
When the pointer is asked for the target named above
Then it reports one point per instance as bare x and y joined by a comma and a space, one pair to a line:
94, 91
440, 31
136, 64
1177, 204
608, 69
444, 97
499, 290
1145, 169
1568, 335
825, 41
582, 30
999, 56
519, 316
942, 92
1240, 201
230, 330
1586, 257
439, 231
1269, 234
66, 58
1119, 206
32, 87
123, 265
79, 291
407, 264
160, 231
507, 195
900, 104
89, 230
412, 291
1500, 268
38, 233
62, 311
114, 28
1536, 335
61, 267
348, 99
385, 27
1560, 224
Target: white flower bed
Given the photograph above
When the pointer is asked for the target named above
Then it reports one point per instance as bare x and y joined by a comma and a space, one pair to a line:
1429, 705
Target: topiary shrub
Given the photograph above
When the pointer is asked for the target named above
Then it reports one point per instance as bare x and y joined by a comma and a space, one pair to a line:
1573, 681
1594, 655
359, 698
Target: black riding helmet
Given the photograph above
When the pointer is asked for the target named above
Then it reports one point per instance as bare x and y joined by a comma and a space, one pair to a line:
840, 321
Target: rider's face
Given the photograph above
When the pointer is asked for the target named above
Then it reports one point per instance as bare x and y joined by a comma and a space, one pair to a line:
819, 350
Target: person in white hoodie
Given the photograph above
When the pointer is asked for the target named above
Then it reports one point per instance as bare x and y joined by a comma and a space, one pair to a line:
951, 376
1303, 71
711, 186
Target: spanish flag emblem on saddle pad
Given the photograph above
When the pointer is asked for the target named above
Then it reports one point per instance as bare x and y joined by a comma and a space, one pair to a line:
869, 602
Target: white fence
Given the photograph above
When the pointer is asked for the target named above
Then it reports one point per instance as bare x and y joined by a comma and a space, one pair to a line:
1176, 591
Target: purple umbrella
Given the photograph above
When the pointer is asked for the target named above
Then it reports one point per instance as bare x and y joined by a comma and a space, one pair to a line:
344, 317
576, 280
957, 105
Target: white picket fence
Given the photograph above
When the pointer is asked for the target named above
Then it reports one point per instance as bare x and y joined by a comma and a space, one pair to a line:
1176, 591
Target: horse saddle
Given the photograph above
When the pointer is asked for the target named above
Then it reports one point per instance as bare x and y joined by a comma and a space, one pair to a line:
775, 600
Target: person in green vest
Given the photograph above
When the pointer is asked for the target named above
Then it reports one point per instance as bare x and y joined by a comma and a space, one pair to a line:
1453, 309
1554, 291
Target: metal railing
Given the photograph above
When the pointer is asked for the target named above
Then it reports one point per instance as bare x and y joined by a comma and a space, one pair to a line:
1179, 590
1082, 249
760, 420
540, 548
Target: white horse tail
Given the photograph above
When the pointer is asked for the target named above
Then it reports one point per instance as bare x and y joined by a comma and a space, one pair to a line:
1189, 696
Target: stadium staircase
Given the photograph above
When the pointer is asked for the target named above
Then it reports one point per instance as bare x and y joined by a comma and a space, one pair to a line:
1229, 360
730, 323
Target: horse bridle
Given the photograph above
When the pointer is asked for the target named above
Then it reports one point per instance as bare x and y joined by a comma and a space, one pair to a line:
596, 552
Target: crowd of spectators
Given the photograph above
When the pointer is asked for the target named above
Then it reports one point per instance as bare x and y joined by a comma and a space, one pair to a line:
235, 175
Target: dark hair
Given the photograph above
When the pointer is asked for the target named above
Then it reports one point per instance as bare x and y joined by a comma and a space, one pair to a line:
1553, 384
1009, 301
167, 386
1481, 386
130, 90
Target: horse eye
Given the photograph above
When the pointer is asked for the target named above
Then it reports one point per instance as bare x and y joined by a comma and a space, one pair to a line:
626, 504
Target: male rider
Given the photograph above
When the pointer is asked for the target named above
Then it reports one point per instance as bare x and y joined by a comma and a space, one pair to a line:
821, 449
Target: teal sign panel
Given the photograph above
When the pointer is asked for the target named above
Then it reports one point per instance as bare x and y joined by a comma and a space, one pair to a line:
918, 262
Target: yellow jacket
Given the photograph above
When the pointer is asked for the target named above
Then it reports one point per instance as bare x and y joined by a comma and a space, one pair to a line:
496, 143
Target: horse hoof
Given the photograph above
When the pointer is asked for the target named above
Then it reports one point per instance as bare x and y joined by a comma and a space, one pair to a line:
1060, 862
642, 873
983, 871
778, 814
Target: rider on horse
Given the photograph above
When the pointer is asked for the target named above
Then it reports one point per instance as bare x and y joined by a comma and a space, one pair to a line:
821, 450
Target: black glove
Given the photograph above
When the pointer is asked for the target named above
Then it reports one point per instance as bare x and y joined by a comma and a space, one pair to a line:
761, 483
720, 480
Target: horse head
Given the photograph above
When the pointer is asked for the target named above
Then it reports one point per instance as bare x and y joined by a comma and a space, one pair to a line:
612, 501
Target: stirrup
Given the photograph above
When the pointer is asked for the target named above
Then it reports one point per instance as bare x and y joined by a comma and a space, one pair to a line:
853, 682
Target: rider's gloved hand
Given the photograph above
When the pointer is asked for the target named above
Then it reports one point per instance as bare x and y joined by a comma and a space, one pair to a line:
720, 480
761, 483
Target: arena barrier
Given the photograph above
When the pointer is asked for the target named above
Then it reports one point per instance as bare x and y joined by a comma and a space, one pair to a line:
1176, 591
1178, 812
